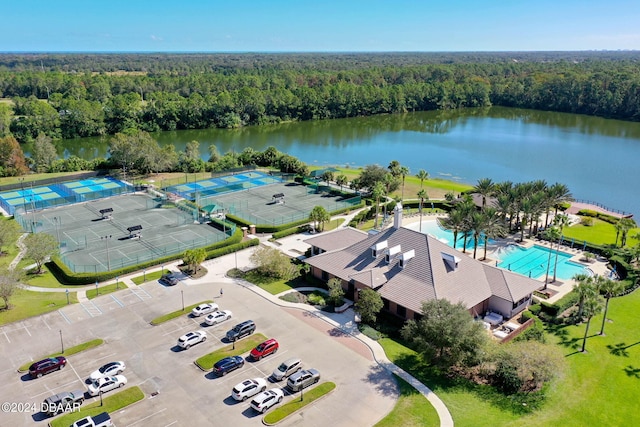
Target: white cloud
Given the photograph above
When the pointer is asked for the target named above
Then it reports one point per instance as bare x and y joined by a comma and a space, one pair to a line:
156, 38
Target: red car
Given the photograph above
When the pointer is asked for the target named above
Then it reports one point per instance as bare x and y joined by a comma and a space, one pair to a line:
45, 366
268, 347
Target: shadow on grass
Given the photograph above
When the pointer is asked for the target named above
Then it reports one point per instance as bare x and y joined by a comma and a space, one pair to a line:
436, 380
620, 349
632, 372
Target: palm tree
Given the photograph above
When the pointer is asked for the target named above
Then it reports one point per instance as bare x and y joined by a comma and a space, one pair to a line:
626, 225
319, 216
422, 175
585, 288
404, 171
592, 306
341, 180
476, 226
486, 188
493, 227
377, 192
559, 221
454, 223
557, 195
551, 234
526, 207
394, 168
610, 288
422, 194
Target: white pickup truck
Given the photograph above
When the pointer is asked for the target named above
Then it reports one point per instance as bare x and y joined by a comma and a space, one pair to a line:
100, 420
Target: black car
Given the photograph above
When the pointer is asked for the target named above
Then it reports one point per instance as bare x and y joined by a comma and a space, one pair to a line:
170, 279
241, 330
228, 364
43, 367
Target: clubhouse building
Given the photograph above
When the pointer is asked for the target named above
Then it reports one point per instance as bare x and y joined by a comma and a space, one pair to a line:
407, 267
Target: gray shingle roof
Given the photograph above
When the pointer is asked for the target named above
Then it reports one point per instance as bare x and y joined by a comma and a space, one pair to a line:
424, 277
337, 239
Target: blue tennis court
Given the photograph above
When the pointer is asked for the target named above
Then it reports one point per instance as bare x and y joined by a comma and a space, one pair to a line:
64, 193
222, 185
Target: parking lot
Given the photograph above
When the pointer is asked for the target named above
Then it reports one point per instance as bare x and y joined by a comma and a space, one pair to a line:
176, 391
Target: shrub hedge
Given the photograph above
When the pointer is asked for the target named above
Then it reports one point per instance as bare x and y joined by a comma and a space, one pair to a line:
68, 277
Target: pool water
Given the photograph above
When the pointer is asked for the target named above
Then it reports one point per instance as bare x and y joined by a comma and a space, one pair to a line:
433, 229
533, 261
530, 262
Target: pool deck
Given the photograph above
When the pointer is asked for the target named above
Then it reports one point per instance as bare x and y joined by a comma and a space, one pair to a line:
559, 288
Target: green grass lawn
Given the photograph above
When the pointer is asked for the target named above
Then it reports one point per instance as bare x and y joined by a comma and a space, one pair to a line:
27, 304
149, 277
244, 345
600, 233
111, 404
35, 177
177, 313
600, 387
411, 410
67, 352
271, 285
44, 280
295, 405
103, 290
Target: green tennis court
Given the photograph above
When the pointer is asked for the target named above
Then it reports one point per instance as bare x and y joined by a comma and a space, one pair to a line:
90, 243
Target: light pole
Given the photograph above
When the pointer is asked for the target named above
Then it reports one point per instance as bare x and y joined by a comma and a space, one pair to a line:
67, 292
236, 255
106, 239
97, 290
117, 283
182, 293
61, 342
57, 222
144, 276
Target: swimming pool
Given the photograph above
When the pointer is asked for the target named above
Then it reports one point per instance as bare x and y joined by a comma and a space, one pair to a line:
533, 261
432, 228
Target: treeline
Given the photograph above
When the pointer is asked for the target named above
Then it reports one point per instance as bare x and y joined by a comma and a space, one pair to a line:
230, 91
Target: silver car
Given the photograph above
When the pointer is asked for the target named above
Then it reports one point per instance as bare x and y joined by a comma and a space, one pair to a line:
303, 379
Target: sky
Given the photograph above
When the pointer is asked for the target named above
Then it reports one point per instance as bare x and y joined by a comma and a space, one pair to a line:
318, 26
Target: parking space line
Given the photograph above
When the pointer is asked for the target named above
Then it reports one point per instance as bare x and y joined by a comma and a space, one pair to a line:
148, 416
116, 300
51, 390
170, 424
26, 329
64, 317
45, 322
6, 336
104, 357
173, 331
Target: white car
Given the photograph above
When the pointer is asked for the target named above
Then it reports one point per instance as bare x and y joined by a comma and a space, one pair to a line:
204, 309
267, 399
192, 338
218, 317
248, 388
106, 384
108, 370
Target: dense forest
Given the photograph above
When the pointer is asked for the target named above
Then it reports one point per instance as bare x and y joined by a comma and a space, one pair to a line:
79, 95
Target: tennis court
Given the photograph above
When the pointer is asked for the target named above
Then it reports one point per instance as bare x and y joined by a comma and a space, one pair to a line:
223, 184
276, 204
46, 196
94, 241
